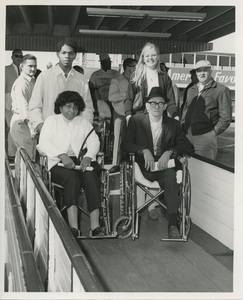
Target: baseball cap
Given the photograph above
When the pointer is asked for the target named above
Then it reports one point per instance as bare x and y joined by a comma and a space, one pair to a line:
104, 56
156, 91
203, 64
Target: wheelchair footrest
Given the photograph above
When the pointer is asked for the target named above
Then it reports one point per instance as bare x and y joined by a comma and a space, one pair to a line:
108, 236
175, 240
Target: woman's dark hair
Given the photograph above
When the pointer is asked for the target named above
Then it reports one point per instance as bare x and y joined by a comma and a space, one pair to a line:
69, 97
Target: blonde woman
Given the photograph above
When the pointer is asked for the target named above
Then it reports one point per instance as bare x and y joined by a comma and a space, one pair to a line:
146, 76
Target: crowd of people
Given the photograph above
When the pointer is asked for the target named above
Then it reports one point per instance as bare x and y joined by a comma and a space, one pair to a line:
55, 110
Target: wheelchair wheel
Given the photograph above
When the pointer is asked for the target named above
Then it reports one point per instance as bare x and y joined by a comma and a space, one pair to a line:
123, 227
188, 193
185, 212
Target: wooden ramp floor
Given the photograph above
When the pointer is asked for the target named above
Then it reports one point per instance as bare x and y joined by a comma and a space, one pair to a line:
149, 265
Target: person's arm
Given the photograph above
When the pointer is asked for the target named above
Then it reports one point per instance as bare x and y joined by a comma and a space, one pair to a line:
115, 94
171, 105
93, 92
131, 91
36, 103
89, 109
19, 94
225, 111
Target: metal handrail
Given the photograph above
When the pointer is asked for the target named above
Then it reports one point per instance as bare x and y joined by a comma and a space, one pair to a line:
85, 273
30, 271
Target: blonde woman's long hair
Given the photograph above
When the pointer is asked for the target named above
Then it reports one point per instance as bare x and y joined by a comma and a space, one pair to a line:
141, 68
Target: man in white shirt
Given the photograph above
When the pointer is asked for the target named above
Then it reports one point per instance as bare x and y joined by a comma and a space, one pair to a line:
21, 92
52, 82
11, 74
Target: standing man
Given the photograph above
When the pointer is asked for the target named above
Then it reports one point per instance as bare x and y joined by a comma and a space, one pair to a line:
155, 137
20, 129
50, 83
11, 74
99, 84
117, 96
207, 111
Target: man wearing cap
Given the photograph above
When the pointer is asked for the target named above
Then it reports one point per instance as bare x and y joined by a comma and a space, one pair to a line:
117, 96
155, 137
99, 84
207, 111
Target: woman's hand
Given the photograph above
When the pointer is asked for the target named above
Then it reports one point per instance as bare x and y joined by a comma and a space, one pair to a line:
149, 160
67, 161
85, 162
163, 161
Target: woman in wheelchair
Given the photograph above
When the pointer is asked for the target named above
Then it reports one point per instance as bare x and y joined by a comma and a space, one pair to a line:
155, 138
60, 140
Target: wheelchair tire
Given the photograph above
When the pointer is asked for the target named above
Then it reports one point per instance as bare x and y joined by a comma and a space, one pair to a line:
123, 227
188, 193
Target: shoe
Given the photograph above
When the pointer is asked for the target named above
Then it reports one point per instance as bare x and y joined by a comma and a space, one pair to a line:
75, 232
173, 233
114, 169
153, 214
97, 232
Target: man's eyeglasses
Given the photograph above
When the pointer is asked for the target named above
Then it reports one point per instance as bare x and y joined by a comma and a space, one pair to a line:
154, 104
18, 56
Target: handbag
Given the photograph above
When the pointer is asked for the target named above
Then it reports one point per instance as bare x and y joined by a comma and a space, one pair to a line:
138, 102
82, 151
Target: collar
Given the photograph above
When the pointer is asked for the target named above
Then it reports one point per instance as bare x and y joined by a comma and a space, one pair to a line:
59, 71
27, 77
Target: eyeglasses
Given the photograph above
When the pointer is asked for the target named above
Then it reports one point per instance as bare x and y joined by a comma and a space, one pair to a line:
154, 104
18, 56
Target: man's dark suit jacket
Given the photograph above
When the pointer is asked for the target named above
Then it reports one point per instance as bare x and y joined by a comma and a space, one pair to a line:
139, 137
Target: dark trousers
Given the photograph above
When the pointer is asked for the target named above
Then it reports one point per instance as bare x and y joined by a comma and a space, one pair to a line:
167, 182
73, 180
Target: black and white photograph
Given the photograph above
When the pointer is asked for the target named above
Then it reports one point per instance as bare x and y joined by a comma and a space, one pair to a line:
121, 150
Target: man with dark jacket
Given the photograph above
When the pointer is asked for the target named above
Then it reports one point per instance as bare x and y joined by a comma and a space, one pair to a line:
155, 137
207, 111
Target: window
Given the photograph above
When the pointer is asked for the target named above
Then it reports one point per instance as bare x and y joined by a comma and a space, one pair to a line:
176, 58
200, 57
189, 58
212, 59
224, 61
165, 58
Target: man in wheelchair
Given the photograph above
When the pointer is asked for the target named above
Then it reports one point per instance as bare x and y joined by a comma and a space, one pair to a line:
60, 140
155, 138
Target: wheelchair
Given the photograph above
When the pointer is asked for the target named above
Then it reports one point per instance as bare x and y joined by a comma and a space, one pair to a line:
127, 224
57, 192
106, 136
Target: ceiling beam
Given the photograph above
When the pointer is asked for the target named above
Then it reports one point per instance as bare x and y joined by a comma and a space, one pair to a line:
50, 18
74, 19
27, 19
216, 23
225, 30
182, 31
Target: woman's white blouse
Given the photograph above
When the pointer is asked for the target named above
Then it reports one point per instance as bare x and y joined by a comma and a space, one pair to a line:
58, 134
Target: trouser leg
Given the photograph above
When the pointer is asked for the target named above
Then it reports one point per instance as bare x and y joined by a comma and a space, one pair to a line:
91, 184
204, 144
10, 143
21, 136
118, 135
